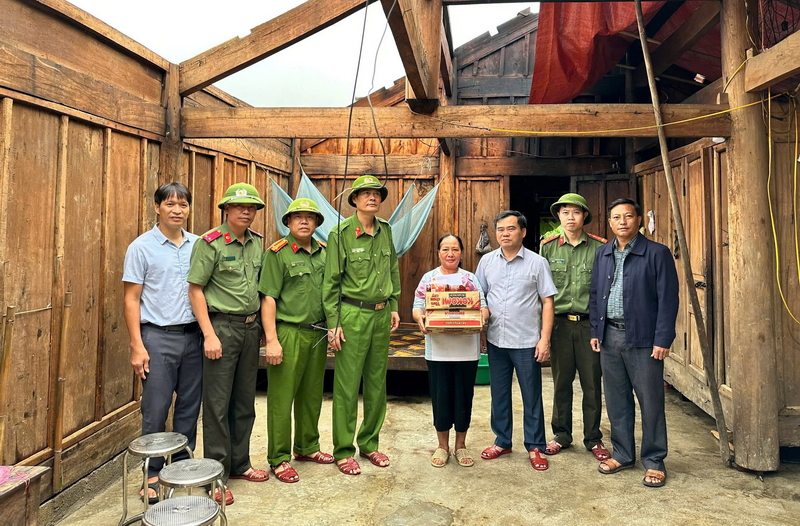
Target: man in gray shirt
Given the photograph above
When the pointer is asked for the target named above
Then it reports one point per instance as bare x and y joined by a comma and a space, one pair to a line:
519, 290
166, 342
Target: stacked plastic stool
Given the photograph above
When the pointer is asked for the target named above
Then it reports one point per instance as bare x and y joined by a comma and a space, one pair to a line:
186, 510
146, 447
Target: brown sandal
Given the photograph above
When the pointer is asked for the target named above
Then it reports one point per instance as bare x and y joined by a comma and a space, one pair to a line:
612, 466
349, 466
659, 478
319, 457
377, 458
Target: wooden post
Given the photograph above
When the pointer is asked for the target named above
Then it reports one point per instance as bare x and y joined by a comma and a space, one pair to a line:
58, 431
694, 302
297, 171
170, 161
446, 197
6, 108
754, 378
99, 390
5, 364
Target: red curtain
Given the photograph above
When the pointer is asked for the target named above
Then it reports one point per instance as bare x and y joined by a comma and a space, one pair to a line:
578, 43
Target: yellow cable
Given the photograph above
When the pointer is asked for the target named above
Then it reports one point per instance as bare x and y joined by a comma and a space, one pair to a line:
794, 188
771, 213
734, 74
594, 132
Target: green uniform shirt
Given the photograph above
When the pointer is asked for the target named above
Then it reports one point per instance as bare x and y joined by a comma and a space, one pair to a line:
294, 278
571, 267
227, 270
365, 265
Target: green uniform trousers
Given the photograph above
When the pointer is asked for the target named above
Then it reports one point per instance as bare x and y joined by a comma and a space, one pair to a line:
229, 394
364, 354
572, 352
297, 379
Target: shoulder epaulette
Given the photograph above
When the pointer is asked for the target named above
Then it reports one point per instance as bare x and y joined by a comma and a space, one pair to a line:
256, 233
382, 220
551, 238
598, 238
322, 244
279, 244
211, 236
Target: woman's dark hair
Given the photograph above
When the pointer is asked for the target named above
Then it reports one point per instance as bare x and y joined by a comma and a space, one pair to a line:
165, 191
626, 201
522, 222
460, 243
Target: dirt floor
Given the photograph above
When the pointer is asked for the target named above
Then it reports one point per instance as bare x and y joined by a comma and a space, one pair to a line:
506, 491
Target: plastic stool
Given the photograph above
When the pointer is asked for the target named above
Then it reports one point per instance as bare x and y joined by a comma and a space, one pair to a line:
146, 447
186, 510
191, 473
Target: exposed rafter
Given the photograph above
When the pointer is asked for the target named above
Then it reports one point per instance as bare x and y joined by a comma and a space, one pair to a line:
681, 40
416, 25
778, 63
265, 40
599, 120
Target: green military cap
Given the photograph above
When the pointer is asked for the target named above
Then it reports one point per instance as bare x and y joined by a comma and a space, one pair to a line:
571, 199
241, 193
364, 182
303, 205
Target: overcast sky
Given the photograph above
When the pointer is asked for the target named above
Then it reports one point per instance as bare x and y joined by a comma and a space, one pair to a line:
319, 71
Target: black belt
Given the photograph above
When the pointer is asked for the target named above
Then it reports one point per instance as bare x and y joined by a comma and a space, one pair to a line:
616, 324
364, 304
247, 318
183, 327
316, 326
574, 317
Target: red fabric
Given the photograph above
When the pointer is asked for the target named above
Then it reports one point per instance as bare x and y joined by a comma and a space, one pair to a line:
577, 43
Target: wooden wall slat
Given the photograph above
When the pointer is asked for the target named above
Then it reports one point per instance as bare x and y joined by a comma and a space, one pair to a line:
29, 275
122, 228
202, 205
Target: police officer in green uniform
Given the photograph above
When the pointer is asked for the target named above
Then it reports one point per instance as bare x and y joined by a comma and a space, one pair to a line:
223, 290
360, 293
294, 323
571, 258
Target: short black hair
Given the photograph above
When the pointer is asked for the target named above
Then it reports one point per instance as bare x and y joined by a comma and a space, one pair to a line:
460, 243
179, 190
522, 222
625, 201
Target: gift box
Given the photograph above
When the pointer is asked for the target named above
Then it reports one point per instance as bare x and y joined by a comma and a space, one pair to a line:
464, 300
454, 321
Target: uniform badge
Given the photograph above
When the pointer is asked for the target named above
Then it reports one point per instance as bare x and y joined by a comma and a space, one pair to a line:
298, 264
358, 231
304, 204
358, 249
558, 261
241, 192
370, 180
295, 247
228, 258
227, 237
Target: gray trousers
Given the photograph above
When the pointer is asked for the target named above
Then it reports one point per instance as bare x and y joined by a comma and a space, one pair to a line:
176, 367
229, 395
629, 370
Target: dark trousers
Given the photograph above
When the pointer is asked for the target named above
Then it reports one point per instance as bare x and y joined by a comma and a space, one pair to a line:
502, 364
176, 367
629, 370
571, 352
229, 393
452, 387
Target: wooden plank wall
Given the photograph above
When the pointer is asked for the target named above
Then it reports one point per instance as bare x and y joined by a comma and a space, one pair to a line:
422, 256
82, 121
701, 168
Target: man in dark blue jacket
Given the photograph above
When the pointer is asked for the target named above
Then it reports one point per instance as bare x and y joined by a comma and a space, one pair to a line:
633, 305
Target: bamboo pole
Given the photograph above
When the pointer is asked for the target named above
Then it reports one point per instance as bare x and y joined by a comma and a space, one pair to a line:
5, 362
58, 431
708, 358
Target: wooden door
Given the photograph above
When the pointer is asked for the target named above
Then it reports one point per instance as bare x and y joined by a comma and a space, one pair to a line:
478, 201
601, 191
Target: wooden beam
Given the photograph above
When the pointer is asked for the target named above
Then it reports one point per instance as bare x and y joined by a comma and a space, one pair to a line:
265, 40
171, 151
446, 64
330, 164
523, 165
598, 120
778, 63
247, 150
416, 25
681, 40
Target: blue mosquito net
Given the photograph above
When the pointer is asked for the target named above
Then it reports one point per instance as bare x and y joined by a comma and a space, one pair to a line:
407, 220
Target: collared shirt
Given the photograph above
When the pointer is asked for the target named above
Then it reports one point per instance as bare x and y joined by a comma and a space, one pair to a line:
293, 276
513, 292
364, 264
161, 267
571, 267
228, 270
615, 310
